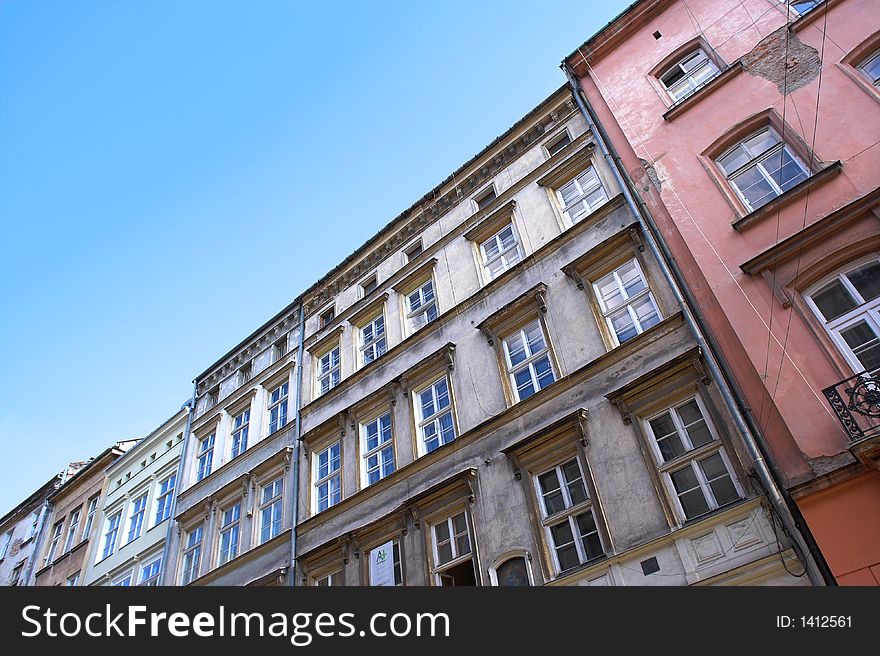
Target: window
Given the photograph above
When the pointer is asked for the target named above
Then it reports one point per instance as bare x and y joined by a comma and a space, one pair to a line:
558, 144
412, 251
328, 371
150, 574
136, 522
32, 529
501, 251
871, 68
804, 6
333, 579
513, 572
205, 457
111, 533
487, 197
270, 509
240, 424
229, 531
244, 374
626, 301
582, 195
762, 167
373, 342
72, 581
567, 516
528, 360
72, 529
123, 581
453, 564
15, 576
369, 284
328, 482
849, 306
192, 556
279, 349
56, 539
164, 498
4, 545
434, 414
377, 449
90, 518
688, 74
421, 306
278, 407
327, 316
691, 460
385, 568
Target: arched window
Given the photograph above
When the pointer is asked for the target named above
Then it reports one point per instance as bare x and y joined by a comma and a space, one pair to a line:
849, 307
870, 67
513, 572
762, 167
688, 74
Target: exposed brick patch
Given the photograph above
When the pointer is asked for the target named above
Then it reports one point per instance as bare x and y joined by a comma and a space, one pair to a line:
768, 60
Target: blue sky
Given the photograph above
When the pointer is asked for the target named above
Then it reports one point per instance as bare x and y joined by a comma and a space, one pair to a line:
172, 174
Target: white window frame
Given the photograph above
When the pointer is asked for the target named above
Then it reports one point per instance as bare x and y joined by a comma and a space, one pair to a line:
807, 10
413, 320
688, 83
152, 580
90, 518
278, 406
55, 541
439, 568
72, 581
626, 301
328, 371
72, 527
7, 540
378, 450
508, 257
230, 525
690, 457
865, 64
867, 311
327, 579
238, 440
331, 474
123, 581
422, 422
568, 514
136, 519
205, 456
271, 507
192, 551
111, 534
595, 184
757, 161
164, 498
530, 360
376, 345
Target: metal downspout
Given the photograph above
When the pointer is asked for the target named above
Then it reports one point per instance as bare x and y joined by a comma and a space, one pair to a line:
296, 446
190, 411
817, 569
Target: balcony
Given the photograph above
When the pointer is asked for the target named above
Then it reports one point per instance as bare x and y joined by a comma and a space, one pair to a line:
856, 402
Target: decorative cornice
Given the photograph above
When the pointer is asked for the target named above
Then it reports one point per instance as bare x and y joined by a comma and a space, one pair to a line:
433, 206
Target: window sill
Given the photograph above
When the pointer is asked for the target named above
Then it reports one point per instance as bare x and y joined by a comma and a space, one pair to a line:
805, 19
716, 82
756, 216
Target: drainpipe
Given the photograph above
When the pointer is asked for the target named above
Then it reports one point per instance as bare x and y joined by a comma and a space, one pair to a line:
190, 411
768, 473
297, 395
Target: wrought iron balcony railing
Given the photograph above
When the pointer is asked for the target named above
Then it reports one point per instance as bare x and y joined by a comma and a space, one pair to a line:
856, 402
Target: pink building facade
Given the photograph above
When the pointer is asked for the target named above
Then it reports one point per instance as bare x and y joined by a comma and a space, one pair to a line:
751, 132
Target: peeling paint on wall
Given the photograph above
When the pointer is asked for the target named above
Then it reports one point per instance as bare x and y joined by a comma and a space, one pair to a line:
788, 68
